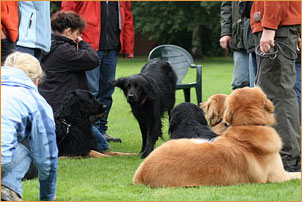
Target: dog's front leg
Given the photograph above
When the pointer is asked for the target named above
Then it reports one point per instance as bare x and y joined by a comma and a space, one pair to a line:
153, 132
144, 131
95, 154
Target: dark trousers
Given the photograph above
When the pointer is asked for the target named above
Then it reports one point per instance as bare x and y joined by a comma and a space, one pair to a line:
277, 78
36, 52
98, 81
7, 47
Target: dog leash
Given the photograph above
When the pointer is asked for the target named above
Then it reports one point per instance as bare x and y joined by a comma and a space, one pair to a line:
277, 49
67, 130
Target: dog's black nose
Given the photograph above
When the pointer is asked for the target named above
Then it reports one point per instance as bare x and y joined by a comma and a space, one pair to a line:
130, 96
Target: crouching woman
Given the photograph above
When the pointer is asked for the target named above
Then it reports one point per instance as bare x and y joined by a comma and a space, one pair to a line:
25, 114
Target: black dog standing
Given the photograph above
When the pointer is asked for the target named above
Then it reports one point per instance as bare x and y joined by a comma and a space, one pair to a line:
150, 94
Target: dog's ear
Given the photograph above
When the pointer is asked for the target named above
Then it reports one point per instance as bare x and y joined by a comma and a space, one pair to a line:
211, 113
119, 83
204, 106
228, 115
268, 105
70, 102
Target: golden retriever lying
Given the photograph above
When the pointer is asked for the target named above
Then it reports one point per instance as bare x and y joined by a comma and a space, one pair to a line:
214, 110
248, 151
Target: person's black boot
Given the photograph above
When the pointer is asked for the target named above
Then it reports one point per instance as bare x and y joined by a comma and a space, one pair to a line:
112, 139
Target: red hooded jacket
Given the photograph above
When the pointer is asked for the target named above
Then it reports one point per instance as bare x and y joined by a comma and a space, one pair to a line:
275, 13
10, 19
91, 13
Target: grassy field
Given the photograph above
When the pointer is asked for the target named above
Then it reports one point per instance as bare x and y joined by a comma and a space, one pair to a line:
110, 179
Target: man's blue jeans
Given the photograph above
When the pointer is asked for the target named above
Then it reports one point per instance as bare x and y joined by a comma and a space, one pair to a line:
13, 172
102, 143
33, 51
241, 70
298, 87
98, 82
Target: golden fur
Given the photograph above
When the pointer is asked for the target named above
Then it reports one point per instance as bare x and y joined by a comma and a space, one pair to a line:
214, 110
248, 151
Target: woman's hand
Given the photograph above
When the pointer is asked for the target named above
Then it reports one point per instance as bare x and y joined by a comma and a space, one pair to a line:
78, 39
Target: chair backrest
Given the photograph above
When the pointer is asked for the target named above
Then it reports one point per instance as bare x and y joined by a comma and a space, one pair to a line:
177, 57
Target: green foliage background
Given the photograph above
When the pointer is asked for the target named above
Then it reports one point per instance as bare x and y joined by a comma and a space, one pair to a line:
174, 22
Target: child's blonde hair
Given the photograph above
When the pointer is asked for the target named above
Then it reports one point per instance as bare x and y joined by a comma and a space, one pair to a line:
26, 62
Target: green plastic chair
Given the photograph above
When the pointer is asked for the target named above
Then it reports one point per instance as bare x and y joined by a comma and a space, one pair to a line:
180, 60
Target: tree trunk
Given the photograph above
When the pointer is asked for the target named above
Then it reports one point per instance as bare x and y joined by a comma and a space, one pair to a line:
196, 42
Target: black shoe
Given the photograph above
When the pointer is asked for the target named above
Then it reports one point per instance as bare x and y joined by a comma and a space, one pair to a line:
112, 139
296, 167
9, 195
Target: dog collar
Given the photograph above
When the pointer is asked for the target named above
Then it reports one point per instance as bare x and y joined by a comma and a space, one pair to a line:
144, 100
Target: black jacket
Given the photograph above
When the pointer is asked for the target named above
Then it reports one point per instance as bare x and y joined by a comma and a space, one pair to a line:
64, 67
234, 24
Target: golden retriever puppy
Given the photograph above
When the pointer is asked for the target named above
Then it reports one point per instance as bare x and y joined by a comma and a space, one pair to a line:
214, 110
247, 152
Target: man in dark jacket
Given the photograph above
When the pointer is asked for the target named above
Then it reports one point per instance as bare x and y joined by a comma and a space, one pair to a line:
236, 34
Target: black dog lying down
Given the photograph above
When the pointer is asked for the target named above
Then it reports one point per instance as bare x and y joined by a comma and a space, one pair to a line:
150, 94
187, 120
74, 119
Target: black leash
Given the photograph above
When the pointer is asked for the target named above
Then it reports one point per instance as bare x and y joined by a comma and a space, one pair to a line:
67, 130
274, 51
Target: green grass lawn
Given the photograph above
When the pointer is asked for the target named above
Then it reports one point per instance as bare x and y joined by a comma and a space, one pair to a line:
110, 179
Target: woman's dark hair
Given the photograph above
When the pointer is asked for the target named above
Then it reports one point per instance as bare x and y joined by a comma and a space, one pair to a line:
63, 20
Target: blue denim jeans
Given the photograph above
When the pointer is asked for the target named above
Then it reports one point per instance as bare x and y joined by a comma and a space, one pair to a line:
102, 142
252, 68
98, 82
13, 172
241, 69
33, 51
298, 87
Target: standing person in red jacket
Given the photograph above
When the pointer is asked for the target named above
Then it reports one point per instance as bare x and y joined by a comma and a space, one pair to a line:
109, 31
9, 27
276, 26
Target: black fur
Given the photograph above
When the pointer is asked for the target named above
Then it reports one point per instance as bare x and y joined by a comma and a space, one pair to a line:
79, 110
32, 171
188, 121
150, 94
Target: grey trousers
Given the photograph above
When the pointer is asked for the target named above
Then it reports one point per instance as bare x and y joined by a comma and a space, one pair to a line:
277, 78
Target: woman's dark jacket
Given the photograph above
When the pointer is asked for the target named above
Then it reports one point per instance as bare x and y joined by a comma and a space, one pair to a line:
64, 67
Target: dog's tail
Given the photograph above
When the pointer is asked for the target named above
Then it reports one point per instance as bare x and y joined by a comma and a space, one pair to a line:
138, 177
